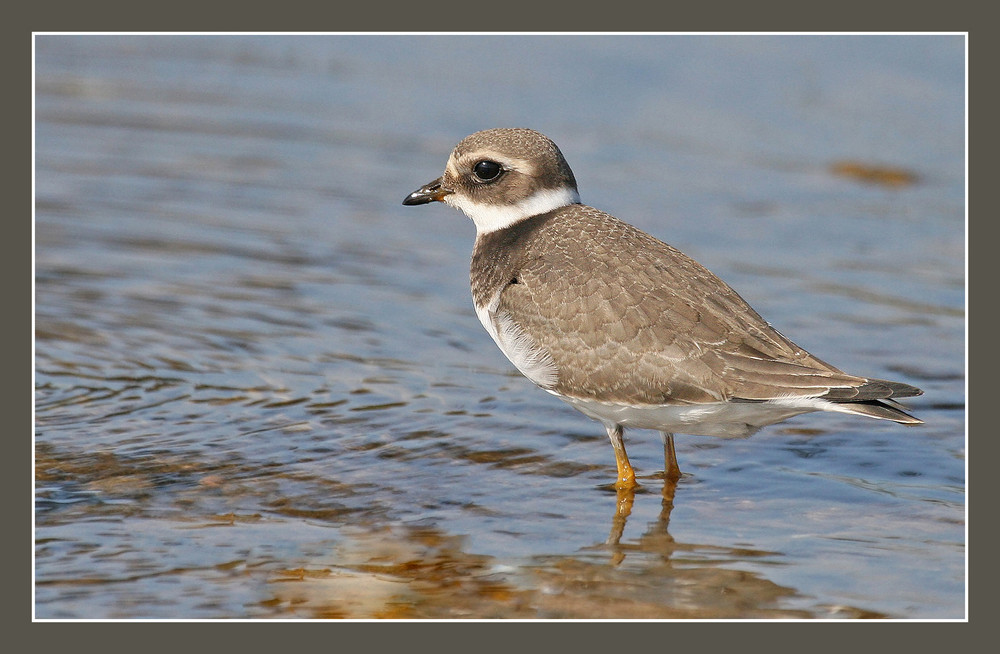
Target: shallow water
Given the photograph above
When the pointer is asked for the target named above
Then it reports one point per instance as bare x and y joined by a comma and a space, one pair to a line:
262, 392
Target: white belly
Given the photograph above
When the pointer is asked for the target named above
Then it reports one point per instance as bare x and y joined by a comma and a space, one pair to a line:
722, 419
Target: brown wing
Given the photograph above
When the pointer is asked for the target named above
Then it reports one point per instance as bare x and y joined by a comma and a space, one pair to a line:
637, 321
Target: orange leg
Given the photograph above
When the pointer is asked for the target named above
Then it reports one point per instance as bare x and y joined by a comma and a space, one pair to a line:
671, 470
626, 475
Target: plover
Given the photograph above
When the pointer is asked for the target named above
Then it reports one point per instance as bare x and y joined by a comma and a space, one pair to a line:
623, 327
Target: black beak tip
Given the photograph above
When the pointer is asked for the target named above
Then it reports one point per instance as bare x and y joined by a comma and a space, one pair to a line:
416, 198
430, 192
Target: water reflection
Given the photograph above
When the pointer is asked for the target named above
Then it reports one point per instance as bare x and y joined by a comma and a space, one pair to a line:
422, 572
623, 509
350, 570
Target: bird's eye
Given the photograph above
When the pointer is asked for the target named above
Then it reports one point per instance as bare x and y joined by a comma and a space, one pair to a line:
487, 171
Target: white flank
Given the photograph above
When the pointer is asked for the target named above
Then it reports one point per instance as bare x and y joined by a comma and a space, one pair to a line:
721, 419
491, 217
534, 362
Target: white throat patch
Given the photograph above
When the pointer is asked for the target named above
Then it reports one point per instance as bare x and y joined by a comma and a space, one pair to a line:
491, 217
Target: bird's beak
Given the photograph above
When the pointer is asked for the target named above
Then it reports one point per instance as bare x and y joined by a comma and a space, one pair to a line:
430, 192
